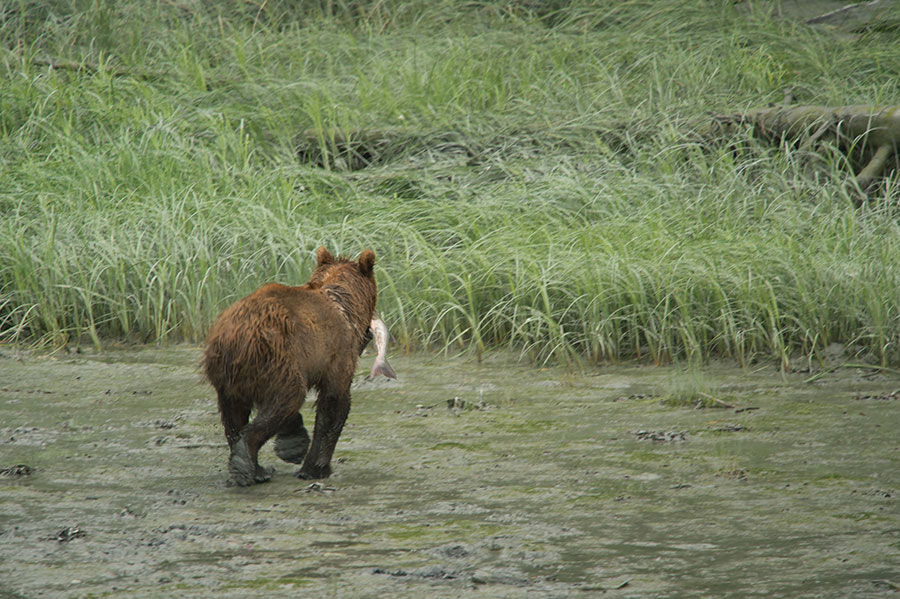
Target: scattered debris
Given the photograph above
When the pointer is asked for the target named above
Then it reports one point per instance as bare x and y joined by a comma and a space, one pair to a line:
887, 494
458, 403
661, 436
733, 474
67, 534
422, 410
634, 396
895, 394
432, 572
731, 428
318, 488
16, 471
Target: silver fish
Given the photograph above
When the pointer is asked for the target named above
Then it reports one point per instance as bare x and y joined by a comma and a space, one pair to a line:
380, 334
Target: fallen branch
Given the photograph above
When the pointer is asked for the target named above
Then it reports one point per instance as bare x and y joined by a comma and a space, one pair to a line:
92, 69
718, 402
848, 12
828, 371
870, 132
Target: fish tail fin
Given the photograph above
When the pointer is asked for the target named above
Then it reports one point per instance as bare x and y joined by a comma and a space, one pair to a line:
382, 367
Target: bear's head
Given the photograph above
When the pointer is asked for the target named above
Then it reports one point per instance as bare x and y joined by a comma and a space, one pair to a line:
328, 266
350, 283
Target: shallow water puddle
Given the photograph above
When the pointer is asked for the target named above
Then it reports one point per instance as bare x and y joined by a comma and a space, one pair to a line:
457, 480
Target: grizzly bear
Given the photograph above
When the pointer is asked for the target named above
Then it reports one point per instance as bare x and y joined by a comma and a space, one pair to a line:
267, 350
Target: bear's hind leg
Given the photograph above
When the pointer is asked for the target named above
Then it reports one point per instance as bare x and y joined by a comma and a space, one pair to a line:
279, 412
292, 441
244, 462
235, 415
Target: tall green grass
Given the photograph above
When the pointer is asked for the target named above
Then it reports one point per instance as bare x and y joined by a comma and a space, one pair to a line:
529, 174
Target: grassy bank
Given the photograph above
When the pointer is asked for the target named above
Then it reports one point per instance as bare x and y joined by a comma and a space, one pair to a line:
528, 174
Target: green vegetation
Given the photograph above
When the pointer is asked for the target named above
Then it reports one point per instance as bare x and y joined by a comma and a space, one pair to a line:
690, 388
529, 174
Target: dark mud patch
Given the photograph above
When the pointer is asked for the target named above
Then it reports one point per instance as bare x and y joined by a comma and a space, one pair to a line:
457, 480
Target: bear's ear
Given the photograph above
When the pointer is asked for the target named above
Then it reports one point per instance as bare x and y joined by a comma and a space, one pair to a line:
367, 262
323, 257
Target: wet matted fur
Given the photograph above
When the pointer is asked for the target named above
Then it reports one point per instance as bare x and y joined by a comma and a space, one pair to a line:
267, 350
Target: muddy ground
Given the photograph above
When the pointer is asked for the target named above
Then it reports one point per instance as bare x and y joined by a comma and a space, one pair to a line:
457, 480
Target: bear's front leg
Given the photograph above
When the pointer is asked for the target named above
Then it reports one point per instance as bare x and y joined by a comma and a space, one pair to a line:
314, 472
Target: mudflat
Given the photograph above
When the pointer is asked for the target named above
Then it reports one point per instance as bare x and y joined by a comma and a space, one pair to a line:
458, 479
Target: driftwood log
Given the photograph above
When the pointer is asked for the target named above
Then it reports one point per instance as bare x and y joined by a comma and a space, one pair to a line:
90, 68
868, 135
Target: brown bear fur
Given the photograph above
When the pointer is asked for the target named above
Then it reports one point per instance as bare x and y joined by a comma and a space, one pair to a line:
267, 350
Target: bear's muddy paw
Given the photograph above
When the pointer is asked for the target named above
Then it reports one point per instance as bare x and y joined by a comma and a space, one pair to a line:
263, 475
292, 448
242, 470
313, 473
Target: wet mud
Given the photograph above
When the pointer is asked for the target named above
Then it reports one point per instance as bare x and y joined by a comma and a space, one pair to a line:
455, 480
